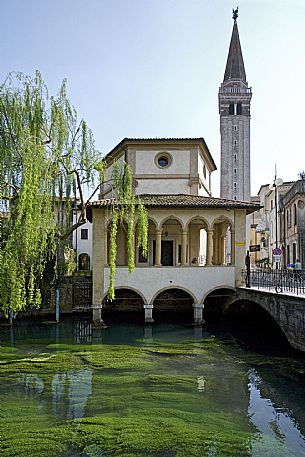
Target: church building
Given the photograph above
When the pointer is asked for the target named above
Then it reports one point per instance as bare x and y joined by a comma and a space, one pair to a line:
189, 255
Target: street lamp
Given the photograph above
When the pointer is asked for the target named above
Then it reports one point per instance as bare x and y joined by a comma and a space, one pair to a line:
276, 183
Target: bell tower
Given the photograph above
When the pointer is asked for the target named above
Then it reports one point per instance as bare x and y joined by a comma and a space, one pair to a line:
234, 100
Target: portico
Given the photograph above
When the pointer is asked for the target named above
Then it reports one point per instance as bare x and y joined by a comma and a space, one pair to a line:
187, 250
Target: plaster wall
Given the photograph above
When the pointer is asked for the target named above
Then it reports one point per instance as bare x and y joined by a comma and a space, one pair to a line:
163, 186
145, 162
83, 246
198, 281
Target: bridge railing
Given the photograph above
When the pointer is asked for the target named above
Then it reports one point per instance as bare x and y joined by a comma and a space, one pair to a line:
280, 281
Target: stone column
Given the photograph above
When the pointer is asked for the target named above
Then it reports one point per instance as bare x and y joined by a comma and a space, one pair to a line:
209, 247
97, 314
183, 247
158, 248
198, 319
148, 313
216, 246
232, 246
222, 250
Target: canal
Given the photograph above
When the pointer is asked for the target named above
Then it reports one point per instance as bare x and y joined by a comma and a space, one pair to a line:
167, 390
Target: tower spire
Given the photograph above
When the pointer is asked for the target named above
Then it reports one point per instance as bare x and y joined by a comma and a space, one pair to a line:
234, 108
235, 68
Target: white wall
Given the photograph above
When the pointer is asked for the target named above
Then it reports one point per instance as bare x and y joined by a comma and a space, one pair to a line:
163, 186
149, 281
83, 246
145, 162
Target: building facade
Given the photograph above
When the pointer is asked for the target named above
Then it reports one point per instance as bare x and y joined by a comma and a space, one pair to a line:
292, 224
187, 228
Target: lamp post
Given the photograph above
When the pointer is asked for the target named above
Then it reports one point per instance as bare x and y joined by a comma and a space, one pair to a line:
276, 183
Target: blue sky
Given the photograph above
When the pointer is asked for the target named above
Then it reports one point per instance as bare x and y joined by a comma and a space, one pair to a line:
152, 68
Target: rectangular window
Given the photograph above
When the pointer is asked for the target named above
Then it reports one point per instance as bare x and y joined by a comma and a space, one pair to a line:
84, 234
235, 185
235, 157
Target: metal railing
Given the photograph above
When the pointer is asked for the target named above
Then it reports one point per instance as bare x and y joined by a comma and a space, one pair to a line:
279, 281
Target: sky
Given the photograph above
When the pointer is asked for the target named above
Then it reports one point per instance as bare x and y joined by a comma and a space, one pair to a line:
152, 69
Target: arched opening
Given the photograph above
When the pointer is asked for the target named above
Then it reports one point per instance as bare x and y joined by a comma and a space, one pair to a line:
84, 262
127, 301
197, 240
223, 242
239, 110
216, 302
173, 305
140, 259
122, 257
246, 321
171, 243
231, 108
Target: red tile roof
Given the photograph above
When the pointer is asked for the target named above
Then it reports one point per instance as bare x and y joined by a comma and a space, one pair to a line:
183, 201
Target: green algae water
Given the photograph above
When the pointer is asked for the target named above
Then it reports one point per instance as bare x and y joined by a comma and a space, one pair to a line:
69, 390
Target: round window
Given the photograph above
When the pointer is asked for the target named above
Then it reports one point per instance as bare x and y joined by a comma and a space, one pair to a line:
163, 161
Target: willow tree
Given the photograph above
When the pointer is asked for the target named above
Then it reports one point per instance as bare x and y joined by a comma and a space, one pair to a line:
47, 156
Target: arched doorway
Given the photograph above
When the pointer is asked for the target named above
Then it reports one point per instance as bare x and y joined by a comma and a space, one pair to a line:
171, 243
173, 304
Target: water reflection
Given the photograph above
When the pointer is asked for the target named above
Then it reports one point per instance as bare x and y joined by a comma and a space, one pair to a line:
76, 387
274, 423
189, 370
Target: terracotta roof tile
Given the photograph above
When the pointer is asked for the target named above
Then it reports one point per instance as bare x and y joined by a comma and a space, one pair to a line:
183, 200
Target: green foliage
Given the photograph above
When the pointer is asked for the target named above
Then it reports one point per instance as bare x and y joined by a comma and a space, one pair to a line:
47, 156
126, 210
113, 252
70, 260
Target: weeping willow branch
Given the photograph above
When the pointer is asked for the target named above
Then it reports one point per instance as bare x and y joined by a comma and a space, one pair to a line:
47, 155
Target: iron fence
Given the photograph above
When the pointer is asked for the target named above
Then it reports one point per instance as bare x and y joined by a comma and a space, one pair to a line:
280, 281
82, 295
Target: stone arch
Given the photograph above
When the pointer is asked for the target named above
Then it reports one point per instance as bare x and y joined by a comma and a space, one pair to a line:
127, 299
170, 217
197, 227
223, 241
220, 220
184, 289
242, 307
198, 218
217, 288
173, 303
